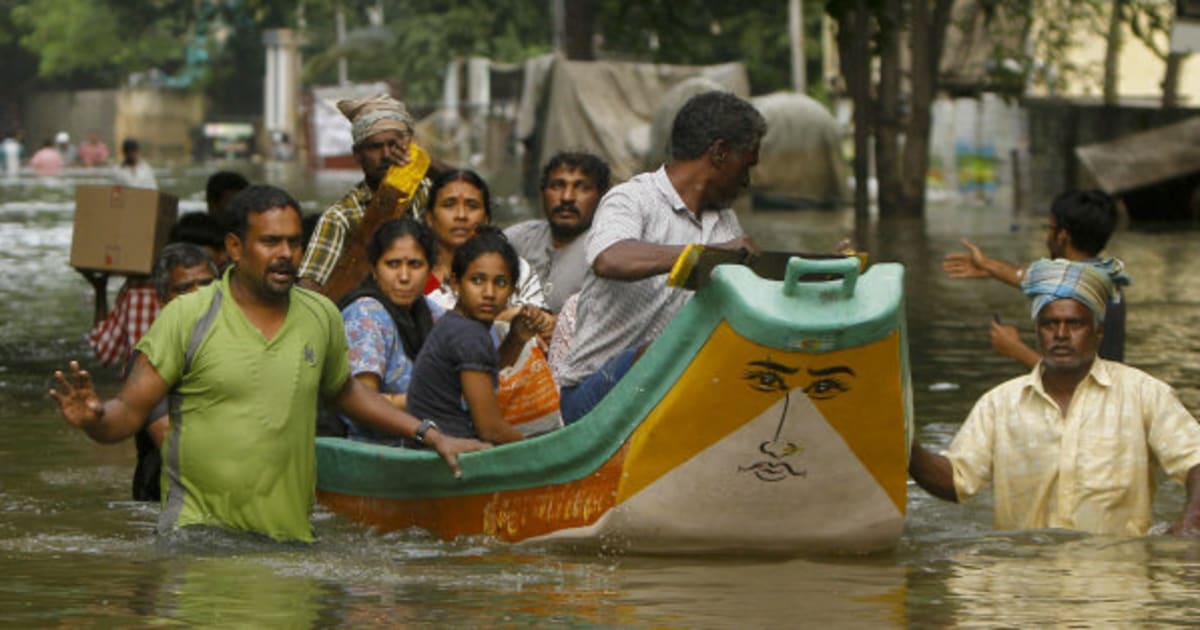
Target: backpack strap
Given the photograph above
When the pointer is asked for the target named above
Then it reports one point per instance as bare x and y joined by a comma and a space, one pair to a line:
175, 490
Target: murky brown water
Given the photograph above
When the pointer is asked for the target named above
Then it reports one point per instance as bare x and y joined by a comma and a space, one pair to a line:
75, 552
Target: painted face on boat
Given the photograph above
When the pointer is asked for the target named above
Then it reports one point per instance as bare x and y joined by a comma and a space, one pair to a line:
779, 455
836, 415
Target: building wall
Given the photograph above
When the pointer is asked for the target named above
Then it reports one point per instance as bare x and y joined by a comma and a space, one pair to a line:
78, 113
1139, 70
165, 123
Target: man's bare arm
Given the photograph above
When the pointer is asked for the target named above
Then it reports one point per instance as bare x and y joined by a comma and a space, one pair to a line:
99, 282
635, 260
368, 407
1189, 522
116, 419
1006, 341
973, 263
932, 472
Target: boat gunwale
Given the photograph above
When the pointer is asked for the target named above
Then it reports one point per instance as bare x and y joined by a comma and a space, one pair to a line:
735, 295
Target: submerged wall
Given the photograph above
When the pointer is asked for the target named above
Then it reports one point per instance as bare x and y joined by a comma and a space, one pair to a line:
75, 112
163, 121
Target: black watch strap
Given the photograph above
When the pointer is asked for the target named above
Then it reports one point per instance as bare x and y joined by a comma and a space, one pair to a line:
419, 436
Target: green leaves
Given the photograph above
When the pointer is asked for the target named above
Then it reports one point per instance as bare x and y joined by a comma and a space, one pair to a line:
81, 36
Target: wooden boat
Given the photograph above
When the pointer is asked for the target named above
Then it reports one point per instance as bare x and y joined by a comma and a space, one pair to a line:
770, 416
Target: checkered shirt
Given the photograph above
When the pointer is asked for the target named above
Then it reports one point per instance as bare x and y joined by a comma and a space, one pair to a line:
336, 226
135, 309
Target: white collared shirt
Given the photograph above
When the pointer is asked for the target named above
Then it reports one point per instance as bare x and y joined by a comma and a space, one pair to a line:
615, 314
1090, 470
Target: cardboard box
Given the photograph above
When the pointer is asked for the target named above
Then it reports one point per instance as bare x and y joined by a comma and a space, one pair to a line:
120, 229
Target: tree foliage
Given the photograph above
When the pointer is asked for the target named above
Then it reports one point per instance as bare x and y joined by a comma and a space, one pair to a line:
422, 36
704, 32
86, 43
101, 38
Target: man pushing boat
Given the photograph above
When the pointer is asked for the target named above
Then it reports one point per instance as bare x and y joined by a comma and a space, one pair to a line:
1069, 445
243, 360
642, 226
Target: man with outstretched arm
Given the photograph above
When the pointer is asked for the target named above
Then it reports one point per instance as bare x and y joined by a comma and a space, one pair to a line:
1069, 445
1080, 224
639, 231
244, 360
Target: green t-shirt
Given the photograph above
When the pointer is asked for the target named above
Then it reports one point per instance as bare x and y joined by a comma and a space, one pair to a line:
245, 454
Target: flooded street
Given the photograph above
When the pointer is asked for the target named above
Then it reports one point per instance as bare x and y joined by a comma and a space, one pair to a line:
74, 551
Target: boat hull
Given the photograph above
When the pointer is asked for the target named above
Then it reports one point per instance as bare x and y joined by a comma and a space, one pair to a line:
726, 436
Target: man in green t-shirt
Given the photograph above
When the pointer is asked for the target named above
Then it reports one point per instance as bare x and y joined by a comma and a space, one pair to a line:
244, 361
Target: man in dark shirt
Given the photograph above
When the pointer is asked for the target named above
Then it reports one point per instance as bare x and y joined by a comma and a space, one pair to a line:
1081, 222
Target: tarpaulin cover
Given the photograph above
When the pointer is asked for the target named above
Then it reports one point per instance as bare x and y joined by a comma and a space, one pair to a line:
800, 160
1144, 158
599, 106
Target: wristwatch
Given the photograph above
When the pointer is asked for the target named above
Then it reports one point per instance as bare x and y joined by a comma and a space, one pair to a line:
419, 436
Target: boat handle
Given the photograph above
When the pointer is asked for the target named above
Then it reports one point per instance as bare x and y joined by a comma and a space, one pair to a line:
797, 268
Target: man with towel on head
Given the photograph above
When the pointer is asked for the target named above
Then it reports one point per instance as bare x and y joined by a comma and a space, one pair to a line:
382, 129
1080, 224
1069, 445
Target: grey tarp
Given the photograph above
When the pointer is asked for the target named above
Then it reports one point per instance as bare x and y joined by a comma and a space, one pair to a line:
598, 106
1144, 158
801, 157
801, 160
657, 150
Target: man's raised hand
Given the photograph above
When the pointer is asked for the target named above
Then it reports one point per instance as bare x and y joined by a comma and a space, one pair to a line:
968, 264
77, 400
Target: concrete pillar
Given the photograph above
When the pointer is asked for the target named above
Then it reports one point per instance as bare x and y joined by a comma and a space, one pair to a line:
281, 91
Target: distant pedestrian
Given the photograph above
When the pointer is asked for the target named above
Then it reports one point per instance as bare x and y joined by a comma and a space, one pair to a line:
93, 152
12, 150
134, 171
48, 161
62, 142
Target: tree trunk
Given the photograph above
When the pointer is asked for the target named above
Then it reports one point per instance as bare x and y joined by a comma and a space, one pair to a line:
1170, 83
579, 17
1112, 52
928, 34
853, 41
888, 167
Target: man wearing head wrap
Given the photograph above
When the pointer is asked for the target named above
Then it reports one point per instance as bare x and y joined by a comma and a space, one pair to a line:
1080, 224
1070, 444
382, 130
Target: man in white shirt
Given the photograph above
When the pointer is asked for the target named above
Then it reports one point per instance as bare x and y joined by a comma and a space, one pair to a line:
134, 171
1071, 444
639, 231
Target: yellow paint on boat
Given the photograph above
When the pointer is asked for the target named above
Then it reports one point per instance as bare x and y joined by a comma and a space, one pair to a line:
857, 390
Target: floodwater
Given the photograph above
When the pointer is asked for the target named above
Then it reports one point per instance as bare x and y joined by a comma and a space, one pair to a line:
75, 552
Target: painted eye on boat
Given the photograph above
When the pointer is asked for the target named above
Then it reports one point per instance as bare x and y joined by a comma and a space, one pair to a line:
825, 388
765, 381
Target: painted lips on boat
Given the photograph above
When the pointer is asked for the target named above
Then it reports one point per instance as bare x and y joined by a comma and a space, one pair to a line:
773, 471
